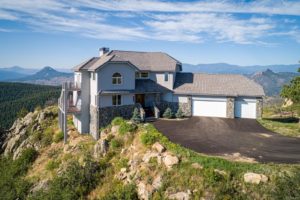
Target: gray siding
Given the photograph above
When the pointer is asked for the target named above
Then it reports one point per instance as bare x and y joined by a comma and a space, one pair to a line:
106, 100
159, 77
105, 77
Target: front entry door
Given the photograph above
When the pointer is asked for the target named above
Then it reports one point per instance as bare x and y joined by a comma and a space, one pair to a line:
140, 98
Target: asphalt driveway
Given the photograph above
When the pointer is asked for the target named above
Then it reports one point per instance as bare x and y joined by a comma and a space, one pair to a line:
219, 136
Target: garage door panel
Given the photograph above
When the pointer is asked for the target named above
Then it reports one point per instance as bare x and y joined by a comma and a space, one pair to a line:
209, 107
245, 108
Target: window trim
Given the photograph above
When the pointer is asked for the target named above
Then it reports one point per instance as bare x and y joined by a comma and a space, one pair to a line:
117, 100
118, 79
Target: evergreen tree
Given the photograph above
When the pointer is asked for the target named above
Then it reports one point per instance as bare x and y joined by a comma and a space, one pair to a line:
136, 117
168, 113
179, 113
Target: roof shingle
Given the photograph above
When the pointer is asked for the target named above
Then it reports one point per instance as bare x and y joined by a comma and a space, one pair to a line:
216, 85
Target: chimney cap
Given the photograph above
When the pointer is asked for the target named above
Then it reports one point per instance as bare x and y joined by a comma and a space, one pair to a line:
103, 50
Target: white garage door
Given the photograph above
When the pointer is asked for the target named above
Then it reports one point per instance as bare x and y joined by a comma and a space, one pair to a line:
245, 108
209, 107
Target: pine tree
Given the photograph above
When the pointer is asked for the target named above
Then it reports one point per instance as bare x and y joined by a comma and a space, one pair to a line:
136, 116
179, 113
168, 113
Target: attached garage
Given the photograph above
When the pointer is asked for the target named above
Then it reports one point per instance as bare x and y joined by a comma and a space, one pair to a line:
245, 108
209, 107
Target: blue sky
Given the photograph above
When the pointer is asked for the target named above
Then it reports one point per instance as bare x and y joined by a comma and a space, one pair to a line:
64, 33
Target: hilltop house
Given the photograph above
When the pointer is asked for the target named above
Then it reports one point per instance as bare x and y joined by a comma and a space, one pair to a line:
116, 82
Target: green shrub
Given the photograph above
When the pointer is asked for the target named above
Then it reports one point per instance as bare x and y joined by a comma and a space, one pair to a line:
150, 136
124, 192
74, 183
116, 143
58, 137
52, 164
12, 183
126, 127
179, 113
117, 121
136, 117
47, 137
168, 113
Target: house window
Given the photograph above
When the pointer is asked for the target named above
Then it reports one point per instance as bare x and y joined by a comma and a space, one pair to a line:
144, 75
116, 100
93, 76
166, 76
116, 79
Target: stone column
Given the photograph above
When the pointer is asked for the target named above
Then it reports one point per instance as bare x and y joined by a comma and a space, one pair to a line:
259, 107
94, 122
230, 107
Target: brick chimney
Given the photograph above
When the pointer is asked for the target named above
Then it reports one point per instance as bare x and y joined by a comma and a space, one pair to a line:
103, 51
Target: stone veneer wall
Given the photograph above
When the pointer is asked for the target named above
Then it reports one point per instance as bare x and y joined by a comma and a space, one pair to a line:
230, 107
107, 114
185, 107
94, 122
259, 107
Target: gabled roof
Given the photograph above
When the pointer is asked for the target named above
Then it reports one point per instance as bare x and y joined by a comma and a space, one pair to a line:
216, 85
147, 61
144, 61
149, 86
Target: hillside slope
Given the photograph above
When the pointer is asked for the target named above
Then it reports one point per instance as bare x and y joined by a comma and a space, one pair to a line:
15, 96
130, 161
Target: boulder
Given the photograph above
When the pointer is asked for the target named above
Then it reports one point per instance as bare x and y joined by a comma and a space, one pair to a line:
179, 196
148, 155
115, 129
255, 178
158, 147
144, 190
197, 166
157, 182
101, 148
170, 160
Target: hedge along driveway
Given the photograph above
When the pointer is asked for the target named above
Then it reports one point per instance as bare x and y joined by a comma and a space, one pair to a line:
219, 136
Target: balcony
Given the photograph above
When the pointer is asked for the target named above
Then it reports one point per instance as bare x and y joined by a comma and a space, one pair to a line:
73, 86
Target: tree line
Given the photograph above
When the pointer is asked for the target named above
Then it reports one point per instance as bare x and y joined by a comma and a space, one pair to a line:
16, 99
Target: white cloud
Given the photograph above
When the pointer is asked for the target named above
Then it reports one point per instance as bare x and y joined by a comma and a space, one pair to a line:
278, 7
223, 27
154, 20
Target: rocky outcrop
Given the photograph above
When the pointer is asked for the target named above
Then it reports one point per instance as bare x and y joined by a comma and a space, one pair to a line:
254, 178
100, 148
19, 136
179, 196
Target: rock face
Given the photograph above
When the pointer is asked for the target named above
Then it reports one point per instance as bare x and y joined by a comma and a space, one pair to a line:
101, 148
179, 196
18, 137
158, 147
144, 190
255, 178
170, 160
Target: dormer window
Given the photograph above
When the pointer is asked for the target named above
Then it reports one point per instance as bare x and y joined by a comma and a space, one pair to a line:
116, 79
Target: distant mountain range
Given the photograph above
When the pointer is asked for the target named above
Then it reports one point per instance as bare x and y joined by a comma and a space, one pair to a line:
271, 77
272, 82
224, 68
46, 76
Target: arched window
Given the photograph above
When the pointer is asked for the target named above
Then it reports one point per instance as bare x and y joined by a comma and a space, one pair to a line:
116, 79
